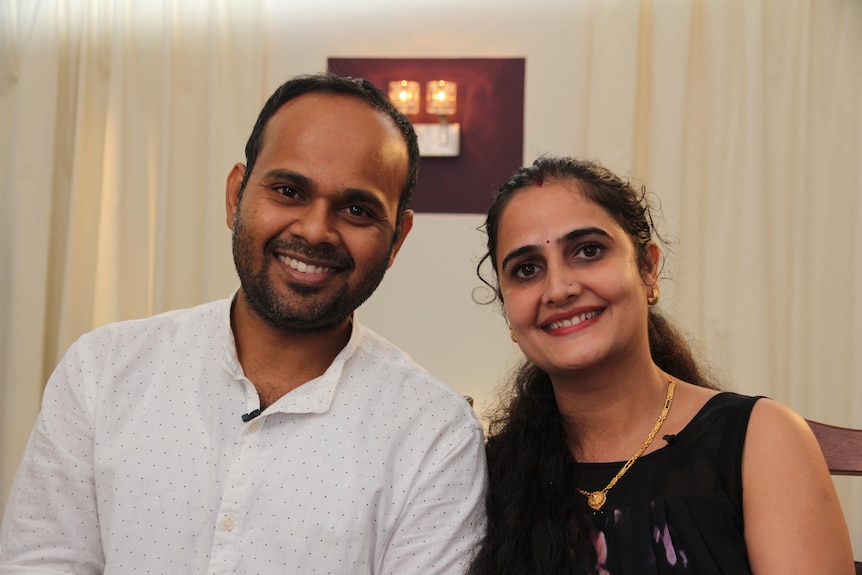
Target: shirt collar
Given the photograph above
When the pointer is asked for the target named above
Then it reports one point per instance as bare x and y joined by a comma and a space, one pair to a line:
314, 396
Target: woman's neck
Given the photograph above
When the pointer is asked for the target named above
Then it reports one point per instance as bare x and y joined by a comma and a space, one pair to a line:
609, 414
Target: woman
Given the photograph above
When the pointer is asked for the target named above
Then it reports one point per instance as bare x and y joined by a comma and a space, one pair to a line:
615, 455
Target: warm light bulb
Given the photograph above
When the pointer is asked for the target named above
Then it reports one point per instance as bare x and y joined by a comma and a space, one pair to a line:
441, 97
405, 96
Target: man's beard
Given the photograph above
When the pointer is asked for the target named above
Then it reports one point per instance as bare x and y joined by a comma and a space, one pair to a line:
300, 312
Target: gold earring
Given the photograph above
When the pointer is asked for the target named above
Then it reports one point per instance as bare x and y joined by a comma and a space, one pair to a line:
653, 299
512, 335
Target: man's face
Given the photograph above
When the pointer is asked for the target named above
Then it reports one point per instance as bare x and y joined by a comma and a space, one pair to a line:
314, 231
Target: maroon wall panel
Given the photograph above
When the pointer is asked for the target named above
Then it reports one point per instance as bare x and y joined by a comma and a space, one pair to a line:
491, 114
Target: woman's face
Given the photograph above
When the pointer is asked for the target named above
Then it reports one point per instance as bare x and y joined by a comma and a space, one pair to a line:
572, 289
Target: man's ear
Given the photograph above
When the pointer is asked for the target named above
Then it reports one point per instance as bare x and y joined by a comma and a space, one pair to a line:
406, 226
232, 192
651, 266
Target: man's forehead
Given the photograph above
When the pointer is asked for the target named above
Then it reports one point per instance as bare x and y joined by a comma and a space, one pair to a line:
327, 137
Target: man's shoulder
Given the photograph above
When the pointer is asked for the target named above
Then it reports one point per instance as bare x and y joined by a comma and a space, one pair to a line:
382, 353
199, 318
394, 372
186, 339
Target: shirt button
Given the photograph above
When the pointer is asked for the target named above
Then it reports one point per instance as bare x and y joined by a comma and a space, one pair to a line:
253, 426
228, 524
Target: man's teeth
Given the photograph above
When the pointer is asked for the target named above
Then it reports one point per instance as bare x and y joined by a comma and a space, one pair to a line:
304, 267
573, 320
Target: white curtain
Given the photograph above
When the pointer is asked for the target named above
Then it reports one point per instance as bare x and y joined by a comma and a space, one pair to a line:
745, 117
120, 119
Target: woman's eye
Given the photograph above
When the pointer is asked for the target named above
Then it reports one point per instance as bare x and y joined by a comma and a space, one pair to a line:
524, 270
589, 251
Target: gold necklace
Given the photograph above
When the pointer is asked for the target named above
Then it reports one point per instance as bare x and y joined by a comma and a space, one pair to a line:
596, 499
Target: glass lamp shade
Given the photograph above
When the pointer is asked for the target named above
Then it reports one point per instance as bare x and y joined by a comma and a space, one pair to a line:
440, 97
405, 96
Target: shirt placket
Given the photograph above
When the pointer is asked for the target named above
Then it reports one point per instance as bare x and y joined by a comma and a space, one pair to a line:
234, 506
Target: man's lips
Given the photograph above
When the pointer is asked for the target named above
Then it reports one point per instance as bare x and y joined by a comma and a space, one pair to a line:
306, 268
309, 261
572, 320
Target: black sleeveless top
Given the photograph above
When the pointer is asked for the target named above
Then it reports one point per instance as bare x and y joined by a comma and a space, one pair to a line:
679, 508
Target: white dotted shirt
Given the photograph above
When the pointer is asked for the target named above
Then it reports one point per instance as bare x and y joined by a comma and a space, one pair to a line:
140, 462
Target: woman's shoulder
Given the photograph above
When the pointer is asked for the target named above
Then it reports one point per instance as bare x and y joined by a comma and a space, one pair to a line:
792, 514
695, 405
775, 425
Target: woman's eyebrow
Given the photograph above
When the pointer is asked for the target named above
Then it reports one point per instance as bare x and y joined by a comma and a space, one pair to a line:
564, 239
581, 232
518, 253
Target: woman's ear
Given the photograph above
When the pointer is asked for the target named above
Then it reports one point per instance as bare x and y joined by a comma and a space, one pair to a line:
651, 265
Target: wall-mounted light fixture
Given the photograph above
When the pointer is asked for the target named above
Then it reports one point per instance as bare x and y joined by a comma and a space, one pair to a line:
439, 140
405, 95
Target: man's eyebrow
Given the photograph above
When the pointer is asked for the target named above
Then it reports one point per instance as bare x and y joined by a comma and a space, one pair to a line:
287, 175
358, 195
572, 235
365, 197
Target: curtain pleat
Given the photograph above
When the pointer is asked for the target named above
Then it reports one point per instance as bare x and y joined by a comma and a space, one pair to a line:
121, 120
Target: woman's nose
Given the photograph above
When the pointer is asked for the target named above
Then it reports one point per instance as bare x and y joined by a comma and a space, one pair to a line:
561, 284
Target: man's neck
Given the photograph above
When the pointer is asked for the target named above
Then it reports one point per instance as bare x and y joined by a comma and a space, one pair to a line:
277, 360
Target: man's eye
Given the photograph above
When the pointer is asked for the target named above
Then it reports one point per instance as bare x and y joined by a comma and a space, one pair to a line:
287, 191
357, 211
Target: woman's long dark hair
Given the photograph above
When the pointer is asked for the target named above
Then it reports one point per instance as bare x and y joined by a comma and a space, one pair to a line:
534, 517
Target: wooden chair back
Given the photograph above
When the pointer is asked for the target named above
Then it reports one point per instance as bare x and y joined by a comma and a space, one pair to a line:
842, 448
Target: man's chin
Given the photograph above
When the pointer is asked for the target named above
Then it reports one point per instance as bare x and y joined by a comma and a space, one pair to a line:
322, 321
304, 289
306, 316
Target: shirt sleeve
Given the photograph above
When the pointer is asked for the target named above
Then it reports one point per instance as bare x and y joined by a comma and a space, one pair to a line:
445, 519
51, 522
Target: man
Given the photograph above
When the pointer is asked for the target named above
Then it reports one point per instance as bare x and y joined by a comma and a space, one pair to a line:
270, 432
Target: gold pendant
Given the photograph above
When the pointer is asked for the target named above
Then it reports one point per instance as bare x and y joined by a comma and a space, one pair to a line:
596, 499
